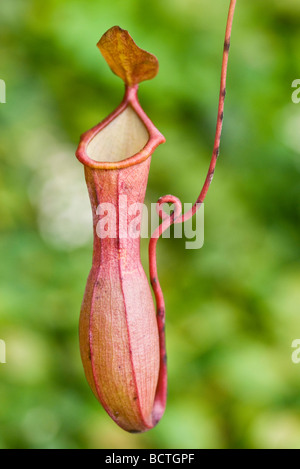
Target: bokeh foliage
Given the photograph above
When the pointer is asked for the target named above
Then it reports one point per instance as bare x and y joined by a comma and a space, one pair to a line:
233, 306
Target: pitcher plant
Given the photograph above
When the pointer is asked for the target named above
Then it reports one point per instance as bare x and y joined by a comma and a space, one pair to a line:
121, 331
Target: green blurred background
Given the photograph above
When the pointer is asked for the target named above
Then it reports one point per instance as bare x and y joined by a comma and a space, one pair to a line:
232, 306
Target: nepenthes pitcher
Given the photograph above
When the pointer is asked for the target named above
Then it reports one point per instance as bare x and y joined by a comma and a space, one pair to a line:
122, 332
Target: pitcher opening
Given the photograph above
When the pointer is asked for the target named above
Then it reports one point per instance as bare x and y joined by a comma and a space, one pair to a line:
122, 138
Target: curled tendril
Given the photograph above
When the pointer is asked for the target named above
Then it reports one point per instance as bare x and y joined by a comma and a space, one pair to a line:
168, 199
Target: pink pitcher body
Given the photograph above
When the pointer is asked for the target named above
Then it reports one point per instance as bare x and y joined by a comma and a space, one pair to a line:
118, 328
121, 338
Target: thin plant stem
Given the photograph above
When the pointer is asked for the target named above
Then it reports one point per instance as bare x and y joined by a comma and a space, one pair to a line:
178, 217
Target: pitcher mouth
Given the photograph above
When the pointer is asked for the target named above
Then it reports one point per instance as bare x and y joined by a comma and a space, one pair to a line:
138, 137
